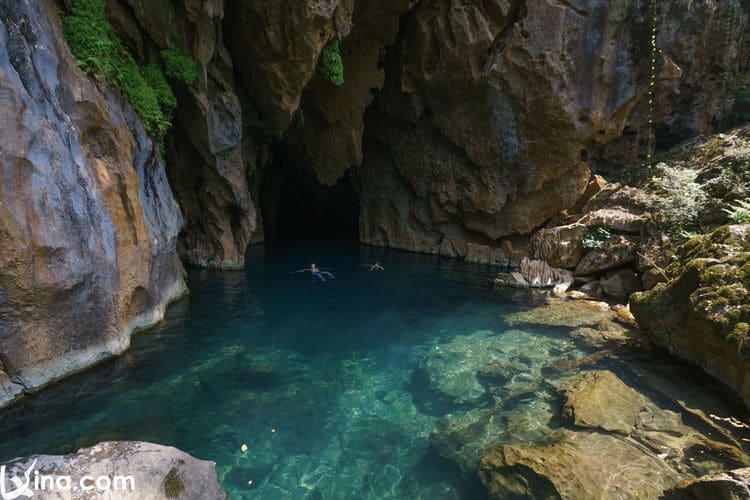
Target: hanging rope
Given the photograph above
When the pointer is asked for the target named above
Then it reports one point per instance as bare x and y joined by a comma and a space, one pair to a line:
650, 144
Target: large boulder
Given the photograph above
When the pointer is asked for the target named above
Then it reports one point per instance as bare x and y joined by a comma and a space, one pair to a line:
702, 314
157, 472
88, 223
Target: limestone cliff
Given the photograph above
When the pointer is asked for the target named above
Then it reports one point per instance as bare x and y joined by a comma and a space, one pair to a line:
459, 129
88, 223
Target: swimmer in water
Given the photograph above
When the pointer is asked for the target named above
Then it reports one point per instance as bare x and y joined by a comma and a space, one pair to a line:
377, 267
316, 272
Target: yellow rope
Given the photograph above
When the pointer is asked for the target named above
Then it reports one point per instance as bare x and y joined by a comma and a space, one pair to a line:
652, 87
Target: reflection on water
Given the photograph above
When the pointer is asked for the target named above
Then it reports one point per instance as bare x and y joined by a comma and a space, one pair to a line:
334, 387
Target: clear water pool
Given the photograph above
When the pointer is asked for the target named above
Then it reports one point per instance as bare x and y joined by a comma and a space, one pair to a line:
334, 387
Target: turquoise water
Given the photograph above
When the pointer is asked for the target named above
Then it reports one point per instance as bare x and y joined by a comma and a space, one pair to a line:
334, 387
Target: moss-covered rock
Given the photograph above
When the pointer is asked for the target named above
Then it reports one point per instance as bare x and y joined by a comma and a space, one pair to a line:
702, 313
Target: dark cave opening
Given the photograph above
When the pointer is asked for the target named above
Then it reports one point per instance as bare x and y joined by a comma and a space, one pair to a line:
295, 205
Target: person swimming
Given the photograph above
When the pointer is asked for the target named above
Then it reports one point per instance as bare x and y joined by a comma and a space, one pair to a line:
316, 272
377, 267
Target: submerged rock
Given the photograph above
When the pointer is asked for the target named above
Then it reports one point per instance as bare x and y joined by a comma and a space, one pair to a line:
620, 444
158, 472
471, 369
703, 313
464, 438
575, 465
572, 314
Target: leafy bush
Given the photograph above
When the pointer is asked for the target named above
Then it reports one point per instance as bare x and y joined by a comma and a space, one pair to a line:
739, 213
678, 200
101, 54
330, 64
595, 237
179, 65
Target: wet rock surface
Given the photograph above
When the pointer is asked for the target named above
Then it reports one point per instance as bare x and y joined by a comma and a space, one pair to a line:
158, 472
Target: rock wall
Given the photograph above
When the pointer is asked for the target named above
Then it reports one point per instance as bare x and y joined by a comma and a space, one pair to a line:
489, 111
207, 158
461, 124
88, 223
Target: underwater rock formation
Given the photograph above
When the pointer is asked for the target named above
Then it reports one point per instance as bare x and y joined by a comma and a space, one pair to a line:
157, 471
88, 223
610, 452
702, 314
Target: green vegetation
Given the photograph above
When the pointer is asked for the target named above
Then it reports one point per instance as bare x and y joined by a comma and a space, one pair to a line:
330, 64
173, 486
100, 53
595, 237
180, 66
739, 213
678, 200
154, 76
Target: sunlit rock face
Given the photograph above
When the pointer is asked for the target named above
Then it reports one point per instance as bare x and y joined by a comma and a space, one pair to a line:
88, 224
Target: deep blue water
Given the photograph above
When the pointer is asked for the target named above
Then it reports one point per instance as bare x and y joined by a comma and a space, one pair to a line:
328, 384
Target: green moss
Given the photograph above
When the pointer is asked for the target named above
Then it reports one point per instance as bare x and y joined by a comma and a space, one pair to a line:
331, 65
173, 485
100, 53
180, 66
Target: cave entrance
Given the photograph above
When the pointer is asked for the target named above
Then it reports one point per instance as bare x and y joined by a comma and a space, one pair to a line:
296, 206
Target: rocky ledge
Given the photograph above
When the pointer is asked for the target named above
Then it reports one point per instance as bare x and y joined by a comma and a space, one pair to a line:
157, 472
702, 313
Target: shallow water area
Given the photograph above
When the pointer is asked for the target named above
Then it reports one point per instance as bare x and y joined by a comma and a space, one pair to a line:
334, 387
